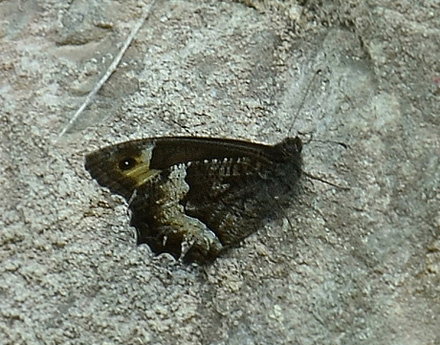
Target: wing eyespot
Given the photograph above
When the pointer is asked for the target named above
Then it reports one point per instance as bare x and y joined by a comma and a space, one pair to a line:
127, 163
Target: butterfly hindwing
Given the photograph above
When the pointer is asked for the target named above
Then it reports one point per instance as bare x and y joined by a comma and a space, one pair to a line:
203, 193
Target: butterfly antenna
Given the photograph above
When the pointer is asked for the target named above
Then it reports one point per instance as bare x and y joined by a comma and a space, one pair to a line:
344, 145
303, 100
324, 181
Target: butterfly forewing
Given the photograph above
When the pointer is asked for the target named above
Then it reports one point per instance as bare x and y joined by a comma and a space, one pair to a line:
208, 192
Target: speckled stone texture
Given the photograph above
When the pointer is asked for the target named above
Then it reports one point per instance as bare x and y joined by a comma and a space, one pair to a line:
357, 266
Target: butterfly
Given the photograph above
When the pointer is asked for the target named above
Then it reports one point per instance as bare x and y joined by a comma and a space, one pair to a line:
195, 197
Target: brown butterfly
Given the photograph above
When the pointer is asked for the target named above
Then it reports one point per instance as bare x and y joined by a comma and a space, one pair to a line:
194, 197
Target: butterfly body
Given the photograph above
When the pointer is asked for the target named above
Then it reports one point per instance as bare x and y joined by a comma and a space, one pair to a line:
205, 194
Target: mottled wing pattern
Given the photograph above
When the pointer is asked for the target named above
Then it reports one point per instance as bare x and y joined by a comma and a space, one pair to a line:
204, 194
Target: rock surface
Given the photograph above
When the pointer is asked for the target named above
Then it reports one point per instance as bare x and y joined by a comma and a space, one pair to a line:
357, 266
